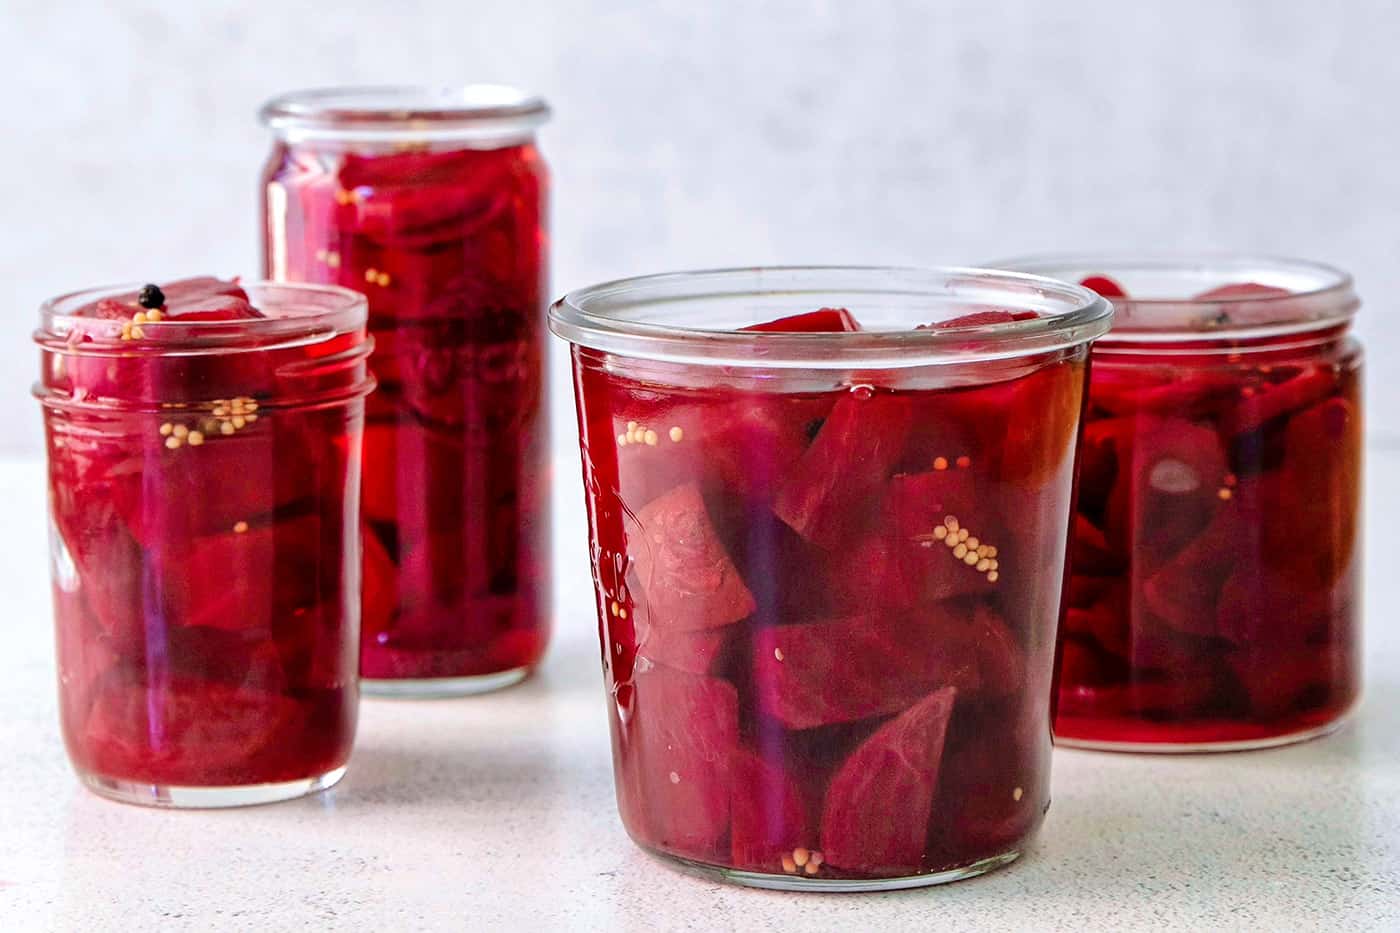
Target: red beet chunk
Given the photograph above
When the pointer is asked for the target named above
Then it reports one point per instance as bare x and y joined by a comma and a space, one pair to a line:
822, 321
683, 735
1272, 401
1239, 290
875, 818
199, 298
1105, 286
1281, 679
689, 580
1312, 536
864, 666
924, 566
746, 444
692, 651
982, 319
1169, 391
249, 578
1172, 489
768, 814
193, 732
828, 497
414, 201
992, 793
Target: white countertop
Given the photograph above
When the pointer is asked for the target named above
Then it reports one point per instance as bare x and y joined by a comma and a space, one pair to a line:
498, 811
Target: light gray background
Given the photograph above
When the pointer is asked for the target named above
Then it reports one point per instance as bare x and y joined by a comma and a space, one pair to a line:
700, 133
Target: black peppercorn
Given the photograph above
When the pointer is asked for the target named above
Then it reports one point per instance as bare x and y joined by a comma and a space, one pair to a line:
151, 297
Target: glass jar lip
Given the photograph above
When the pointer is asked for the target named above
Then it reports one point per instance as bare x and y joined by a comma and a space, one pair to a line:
316, 313
1320, 296
597, 317
482, 113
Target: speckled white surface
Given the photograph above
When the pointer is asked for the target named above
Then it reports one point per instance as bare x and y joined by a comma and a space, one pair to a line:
497, 813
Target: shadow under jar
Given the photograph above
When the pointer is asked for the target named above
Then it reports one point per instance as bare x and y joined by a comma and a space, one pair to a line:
828, 561
203, 479
1216, 596
431, 202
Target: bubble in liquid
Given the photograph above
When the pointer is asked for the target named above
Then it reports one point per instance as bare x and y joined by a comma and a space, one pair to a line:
863, 392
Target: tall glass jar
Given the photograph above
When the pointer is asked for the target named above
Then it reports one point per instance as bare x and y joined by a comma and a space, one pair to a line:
432, 203
204, 477
1216, 593
828, 518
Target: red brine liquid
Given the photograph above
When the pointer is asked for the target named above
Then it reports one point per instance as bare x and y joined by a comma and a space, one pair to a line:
828, 618
1215, 595
203, 473
448, 245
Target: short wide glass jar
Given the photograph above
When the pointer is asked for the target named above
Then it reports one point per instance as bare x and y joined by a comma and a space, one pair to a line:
203, 479
828, 565
432, 203
1216, 596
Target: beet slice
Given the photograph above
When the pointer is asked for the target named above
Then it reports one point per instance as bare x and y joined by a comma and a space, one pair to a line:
982, 318
1177, 470
1274, 400
827, 498
1185, 592
768, 814
1104, 285
992, 793
689, 580
877, 808
876, 573
1311, 538
746, 444
190, 731
1179, 391
201, 298
869, 665
1279, 679
821, 321
692, 651
683, 734
917, 511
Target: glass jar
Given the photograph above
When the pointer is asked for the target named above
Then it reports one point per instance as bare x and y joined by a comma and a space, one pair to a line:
828, 565
1216, 596
203, 479
432, 203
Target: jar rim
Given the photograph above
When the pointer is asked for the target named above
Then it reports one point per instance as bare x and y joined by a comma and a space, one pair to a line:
609, 316
482, 113
1319, 296
307, 313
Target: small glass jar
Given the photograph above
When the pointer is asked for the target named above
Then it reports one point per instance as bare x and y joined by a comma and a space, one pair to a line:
828, 565
432, 203
1216, 592
203, 478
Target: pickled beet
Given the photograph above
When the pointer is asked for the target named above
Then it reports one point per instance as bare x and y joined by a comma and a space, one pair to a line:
1105, 286
688, 578
805, 594
205, 556
1214, 578
824, 320
877, 807
448, 244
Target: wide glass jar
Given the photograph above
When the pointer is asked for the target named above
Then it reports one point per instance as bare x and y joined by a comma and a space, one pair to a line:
828, 550
1216, 596
432, 203
203, 477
